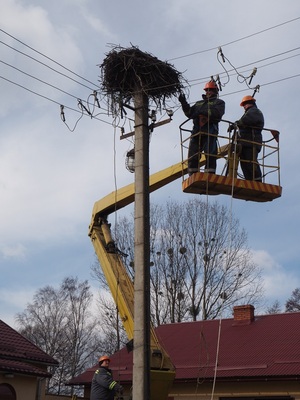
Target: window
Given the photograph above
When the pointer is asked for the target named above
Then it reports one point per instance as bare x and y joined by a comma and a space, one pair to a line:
7, 392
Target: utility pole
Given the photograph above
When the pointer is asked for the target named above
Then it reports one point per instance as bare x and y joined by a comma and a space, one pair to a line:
130, 74
141, 337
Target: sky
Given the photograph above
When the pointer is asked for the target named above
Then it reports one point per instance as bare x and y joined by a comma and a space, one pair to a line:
52, 172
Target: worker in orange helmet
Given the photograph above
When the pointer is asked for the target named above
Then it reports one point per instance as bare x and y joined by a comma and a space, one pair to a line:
250, 136
206, 115
104, 387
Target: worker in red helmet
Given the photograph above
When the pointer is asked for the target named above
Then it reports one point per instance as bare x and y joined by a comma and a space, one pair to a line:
250, 136
104, 387
206, 115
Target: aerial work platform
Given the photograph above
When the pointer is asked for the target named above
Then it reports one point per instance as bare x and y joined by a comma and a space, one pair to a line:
211, 184
230, 180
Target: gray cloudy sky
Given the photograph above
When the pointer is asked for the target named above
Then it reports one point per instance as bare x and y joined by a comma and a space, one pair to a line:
50, 176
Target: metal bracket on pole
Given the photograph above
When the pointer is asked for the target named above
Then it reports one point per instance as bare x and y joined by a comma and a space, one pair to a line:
157, 124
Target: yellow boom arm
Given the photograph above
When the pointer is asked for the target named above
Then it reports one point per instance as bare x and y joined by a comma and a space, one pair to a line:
120, 284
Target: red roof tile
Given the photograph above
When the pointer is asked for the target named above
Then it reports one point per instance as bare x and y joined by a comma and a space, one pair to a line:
18, 354
269, 346
10, 366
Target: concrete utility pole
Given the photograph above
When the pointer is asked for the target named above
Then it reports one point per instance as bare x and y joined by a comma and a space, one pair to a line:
141, 338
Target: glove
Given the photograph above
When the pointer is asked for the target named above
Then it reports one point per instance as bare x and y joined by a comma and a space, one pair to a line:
120, 390
184, 104
230, 128
182, 98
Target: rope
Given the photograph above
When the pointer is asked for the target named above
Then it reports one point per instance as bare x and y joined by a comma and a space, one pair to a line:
115, 236
217, 358
227, 255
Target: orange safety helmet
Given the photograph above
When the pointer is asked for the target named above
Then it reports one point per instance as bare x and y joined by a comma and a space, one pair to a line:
245, 99
211, 85
103, 358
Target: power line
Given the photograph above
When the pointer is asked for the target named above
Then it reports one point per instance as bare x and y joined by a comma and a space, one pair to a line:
268, 58
67, 69
1, 30
37, 79
83, 108
281, 80
264, 84
51, 100
45, 65
254, 62
235, 41
95, 117
47, 57
193, 80
48, 84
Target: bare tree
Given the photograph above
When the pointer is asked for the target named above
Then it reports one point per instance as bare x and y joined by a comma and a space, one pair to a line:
112, 331
59, 322
275, 308
200, 262
203, 261
293, 303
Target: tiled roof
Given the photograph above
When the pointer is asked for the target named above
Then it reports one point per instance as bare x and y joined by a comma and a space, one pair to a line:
267, 347
10, 366
18, 354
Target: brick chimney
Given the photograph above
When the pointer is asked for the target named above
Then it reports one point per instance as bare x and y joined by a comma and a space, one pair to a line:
243, 314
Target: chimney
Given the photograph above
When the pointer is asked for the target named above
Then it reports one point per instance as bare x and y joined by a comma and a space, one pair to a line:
243, 314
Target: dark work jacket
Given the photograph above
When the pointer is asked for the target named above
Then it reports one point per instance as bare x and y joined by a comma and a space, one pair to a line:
250, 125
213, 109
103, 385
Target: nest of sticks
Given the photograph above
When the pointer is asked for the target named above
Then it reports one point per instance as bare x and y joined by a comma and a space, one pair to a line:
125, 71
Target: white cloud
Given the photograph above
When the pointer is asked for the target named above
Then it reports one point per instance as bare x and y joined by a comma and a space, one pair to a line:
51, 177
31, 25
97, 24
17, 251
279, 282
14, 300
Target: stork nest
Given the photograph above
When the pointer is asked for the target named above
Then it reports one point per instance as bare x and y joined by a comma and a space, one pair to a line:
127, 71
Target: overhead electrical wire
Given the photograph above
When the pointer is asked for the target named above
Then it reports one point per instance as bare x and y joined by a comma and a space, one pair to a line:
38, 79
47, 57
33, 92
92, 89
253, 63
219, 330
54, 87
194, 53
45, 65
95, 117
263, 84
80, 104
199, 79
48, 98
67, 69
235, 41
57, 88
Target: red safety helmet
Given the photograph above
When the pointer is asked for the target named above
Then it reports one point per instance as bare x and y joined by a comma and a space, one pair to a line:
103, 358
247, 99
211, 85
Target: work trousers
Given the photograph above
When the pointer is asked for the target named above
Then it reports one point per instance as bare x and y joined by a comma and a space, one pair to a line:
206, 143
249, 163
